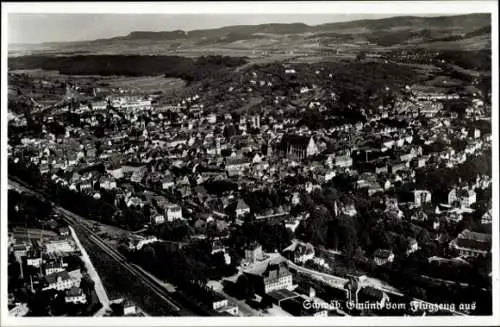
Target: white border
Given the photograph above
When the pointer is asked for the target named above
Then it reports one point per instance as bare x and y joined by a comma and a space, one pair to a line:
371, 7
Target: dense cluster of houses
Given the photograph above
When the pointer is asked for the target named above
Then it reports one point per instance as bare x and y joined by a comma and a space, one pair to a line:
176, 152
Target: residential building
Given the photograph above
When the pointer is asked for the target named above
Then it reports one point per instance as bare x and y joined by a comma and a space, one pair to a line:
486, 218
382, 256
174, 212
473, 244
75, 295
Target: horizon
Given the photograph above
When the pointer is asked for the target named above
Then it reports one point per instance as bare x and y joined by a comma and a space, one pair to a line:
36, 29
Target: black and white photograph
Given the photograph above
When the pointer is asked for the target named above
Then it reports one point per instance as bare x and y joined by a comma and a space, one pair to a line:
220, 162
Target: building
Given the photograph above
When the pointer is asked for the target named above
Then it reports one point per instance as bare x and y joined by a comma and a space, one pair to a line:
59, 281
381, 257
157, 219
300, 252
20, 310
136, 242
53, 267
242, 208
343, 161
421, 197
221, 304
254, 253
467, 197
471, 244
174, 212
412, 246
20, 250
58, 246
129, 308
75, 295
63, 231
486, 218
298, 147
275, 277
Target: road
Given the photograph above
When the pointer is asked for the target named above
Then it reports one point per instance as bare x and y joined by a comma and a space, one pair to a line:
99, 288
150, 285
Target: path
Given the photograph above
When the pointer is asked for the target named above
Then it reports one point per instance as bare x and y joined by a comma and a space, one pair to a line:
99, 288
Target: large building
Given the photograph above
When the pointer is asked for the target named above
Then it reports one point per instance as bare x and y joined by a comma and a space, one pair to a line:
472, 244
298, 147
276, 277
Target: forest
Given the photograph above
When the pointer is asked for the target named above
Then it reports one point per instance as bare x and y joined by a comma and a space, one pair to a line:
171, 66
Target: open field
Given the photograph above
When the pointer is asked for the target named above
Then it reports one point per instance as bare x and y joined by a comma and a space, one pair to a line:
148, 83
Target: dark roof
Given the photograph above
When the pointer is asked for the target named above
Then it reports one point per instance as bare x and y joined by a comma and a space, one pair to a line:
52, 278
473, 244
380, 253
74, 291
296, 140
275, 271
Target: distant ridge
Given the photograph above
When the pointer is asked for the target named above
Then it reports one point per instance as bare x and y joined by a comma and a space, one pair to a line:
468, 23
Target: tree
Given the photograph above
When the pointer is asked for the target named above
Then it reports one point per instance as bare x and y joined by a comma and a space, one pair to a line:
361, 56
244, 288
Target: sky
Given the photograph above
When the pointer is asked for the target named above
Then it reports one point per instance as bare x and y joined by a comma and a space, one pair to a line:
39, 28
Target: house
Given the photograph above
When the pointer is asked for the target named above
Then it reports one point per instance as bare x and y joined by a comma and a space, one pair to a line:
344, 161
299, 252
382, 256
20, 250
254, 253
237, 165
129, 308
381, 169
295, 306
399, 166
242, 208
412, 246
221, 304
62, 245
174, 212
58, 281
157, 219
75, 295
467, 197
167, 183
53, 267
421, 197
452, 197
34, 259
486, 218
20, 310
63, 231
469, 243
107, 183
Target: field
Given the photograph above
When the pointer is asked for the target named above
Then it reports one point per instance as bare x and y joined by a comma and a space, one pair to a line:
145, 84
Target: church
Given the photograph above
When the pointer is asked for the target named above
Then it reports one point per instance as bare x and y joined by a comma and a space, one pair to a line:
298, 147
